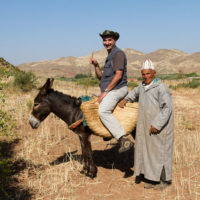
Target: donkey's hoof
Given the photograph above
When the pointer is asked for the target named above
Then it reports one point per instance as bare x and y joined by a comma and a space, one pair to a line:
91, 175
82, 172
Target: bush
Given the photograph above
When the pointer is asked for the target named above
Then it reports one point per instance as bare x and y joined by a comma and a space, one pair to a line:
6, 124
176, 76
90, 82
6, 129
26, 81
194, 83
132, 85
29, 104
4, 72
82, 79
80, 76
193, 74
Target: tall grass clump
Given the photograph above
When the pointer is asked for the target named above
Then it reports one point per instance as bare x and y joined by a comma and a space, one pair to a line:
29, 104
26, 81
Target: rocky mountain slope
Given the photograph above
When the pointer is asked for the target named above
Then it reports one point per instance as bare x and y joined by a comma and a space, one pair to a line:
166, 61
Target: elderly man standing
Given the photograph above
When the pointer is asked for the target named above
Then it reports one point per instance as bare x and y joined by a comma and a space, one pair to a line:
155, 129
113, 87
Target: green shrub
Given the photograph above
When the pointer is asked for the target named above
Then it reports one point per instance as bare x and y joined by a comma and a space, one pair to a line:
6, 123
29, 104
193, 74
4, 72
6, 129
168, 76
80, 76
194, 83
63, 78
132, 84
82, 79
90, 82
176, 76
26, 81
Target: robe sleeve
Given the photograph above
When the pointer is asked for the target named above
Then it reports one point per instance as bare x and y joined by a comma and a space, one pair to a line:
133, 95
166, 109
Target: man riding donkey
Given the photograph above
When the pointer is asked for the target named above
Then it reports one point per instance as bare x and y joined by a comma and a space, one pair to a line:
113, 85
155, 130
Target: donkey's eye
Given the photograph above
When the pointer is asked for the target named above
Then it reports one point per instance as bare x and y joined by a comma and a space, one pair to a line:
36, 104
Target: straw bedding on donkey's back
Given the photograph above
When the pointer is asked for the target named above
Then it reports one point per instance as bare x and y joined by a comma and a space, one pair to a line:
127, 117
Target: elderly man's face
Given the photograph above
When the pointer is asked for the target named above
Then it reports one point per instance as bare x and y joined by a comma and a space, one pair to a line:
109, 43
148, 75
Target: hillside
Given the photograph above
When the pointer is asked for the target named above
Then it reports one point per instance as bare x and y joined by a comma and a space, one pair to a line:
166, 61
4, 63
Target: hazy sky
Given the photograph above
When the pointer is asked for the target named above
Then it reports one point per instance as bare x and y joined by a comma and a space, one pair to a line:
35, 30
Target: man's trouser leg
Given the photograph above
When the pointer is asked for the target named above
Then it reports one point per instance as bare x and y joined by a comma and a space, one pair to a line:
106, 108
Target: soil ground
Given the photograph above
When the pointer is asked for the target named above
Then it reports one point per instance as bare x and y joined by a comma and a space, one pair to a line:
49, 159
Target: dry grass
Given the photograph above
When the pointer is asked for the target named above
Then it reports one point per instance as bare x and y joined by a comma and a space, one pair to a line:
39, 148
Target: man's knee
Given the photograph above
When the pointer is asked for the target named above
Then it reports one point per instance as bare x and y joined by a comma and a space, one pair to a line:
102, 112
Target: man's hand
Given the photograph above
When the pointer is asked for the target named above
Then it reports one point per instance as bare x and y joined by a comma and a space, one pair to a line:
122, 103
93, 61
102, 95
153, 130
98, 71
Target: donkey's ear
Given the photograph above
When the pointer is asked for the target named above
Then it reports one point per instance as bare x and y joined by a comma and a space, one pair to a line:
47, 86
51, 82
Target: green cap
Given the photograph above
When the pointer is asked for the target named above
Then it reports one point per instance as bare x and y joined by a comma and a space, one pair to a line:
107, 33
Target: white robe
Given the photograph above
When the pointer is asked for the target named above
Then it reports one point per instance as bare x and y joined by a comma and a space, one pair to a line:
153, 152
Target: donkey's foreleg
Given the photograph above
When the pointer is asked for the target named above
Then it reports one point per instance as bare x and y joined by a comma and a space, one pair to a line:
84, 155
89, 167
92, 167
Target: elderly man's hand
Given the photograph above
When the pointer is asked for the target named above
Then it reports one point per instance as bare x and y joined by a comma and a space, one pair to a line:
153, 130
122, 103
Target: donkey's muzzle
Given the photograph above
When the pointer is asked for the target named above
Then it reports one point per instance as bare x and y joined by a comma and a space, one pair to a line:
34, 122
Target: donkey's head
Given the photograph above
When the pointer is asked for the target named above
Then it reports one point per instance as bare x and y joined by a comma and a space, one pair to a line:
42, 106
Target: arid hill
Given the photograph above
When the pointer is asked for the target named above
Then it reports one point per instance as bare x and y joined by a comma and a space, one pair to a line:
166, 61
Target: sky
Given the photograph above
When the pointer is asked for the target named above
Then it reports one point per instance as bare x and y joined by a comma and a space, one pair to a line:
36, 30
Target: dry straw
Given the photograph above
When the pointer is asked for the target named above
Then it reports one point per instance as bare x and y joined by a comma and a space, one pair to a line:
127, 117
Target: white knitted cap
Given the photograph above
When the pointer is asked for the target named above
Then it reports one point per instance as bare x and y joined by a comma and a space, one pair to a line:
148, 65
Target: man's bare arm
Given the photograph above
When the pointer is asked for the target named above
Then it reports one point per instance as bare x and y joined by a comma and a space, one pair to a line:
98, 71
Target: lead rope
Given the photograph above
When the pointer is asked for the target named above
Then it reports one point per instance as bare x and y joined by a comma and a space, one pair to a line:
75, 124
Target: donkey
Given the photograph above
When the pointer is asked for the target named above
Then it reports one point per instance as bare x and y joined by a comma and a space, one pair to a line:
68, 109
